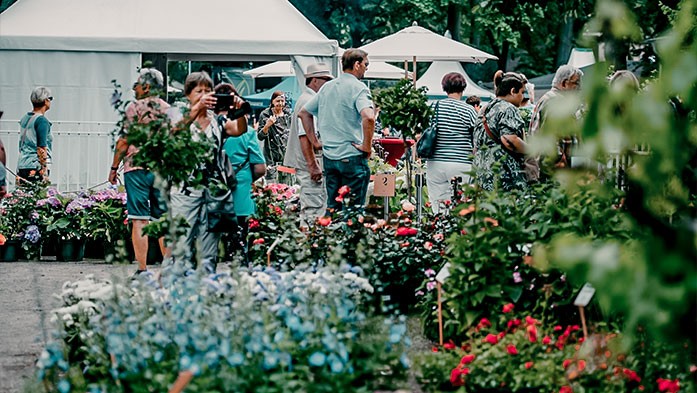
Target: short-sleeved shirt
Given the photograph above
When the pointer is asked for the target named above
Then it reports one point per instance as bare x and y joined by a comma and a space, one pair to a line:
239, 149
294, 157
141, 111
338, 106
455, 120
35, 132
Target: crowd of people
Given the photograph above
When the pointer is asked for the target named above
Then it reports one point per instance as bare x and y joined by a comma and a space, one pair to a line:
326, 139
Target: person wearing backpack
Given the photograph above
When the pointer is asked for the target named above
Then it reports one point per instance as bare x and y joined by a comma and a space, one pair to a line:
35, 139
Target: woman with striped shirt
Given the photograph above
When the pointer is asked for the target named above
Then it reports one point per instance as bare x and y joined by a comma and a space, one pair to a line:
455, 120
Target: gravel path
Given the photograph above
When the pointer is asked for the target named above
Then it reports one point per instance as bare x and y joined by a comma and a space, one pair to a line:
26, 299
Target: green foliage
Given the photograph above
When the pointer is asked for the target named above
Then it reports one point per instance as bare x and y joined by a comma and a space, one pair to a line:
652, 279
404, 108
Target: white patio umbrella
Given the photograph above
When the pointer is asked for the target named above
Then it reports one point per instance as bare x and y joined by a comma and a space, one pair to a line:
377, 70
416, 43
433, 76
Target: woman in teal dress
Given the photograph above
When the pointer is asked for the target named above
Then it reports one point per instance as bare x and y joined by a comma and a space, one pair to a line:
498, 137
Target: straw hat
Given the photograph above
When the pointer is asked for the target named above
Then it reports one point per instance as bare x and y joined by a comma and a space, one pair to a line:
318, 70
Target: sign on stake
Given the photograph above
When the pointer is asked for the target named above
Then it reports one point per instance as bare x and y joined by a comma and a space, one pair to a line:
582, 299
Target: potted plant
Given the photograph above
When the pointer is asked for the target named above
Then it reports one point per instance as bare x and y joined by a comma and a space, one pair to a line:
65, 214
405, 108
20, 225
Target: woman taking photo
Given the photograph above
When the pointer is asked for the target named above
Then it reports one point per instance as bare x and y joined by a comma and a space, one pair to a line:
274, 126
190, 202
452, 156
498, 137
35, 139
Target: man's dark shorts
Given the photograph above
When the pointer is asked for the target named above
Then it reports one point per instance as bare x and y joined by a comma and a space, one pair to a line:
143, 198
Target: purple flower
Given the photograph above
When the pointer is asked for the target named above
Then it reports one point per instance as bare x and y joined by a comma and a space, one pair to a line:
32, 234
430, 272
34, 215
430, 285
516, 277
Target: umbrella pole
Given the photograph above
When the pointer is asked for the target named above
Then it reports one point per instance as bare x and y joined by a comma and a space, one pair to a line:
406, 69
413, 70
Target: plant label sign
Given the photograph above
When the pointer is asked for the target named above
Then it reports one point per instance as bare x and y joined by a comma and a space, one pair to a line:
585, 295
443, 273
384, 184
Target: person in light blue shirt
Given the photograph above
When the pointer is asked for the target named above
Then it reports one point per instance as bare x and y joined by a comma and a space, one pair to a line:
248, 162
346, 121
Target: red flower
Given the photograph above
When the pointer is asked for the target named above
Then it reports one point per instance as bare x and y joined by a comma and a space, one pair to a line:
546, 340
581, 365
512, 350
457, 376
530, 320
532, 333
513, 323
428, 246
258, 241
491, 339
557, 328
666, 385
467, 359
508, 308
574, 328
3, 239
406, 231
449, 345
324, 221
434, 349
566, 363
484, 323
528, 365
631, 375
344, 190
253, 223
566, 389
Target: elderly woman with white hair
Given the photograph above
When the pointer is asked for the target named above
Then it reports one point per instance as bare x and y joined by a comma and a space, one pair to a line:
35, 139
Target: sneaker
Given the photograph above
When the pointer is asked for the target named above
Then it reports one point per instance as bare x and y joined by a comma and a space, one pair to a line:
137, 274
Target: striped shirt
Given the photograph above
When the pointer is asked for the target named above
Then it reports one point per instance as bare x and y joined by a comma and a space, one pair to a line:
456, 120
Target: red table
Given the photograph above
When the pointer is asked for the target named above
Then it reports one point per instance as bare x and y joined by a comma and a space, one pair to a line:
395, 148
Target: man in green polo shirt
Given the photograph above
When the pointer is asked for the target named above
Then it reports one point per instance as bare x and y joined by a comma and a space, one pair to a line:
346, 122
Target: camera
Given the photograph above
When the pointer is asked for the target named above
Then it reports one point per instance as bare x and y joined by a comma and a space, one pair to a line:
225, 101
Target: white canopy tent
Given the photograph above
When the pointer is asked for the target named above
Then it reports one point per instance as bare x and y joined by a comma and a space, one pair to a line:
77, 47
431, 79
581, 57
377, 70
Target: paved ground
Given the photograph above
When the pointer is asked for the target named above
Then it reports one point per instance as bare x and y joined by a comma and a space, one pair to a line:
26, 299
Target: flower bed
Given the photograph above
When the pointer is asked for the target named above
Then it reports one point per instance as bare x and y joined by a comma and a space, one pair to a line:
246, 332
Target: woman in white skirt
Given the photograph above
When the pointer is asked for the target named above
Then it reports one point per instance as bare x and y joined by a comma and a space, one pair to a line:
455, 120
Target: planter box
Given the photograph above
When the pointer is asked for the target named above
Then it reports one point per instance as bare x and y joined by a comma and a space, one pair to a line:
11, 251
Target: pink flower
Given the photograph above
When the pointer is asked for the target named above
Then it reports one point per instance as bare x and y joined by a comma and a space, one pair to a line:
438, 237
258, 241
457, 376
484, 323
528, 365
631, 375
430, 285
324, 221
532, 333
512, 350
429, 272
449, 345
508, 308
513, 323
428, 246
344, 190
566, 389
566, 363
253, 224
530, 320
408, 206
546, 340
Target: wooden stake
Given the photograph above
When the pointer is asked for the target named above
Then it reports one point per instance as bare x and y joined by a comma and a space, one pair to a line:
413, 70
273, 245
440, 315
184, 378
583, 322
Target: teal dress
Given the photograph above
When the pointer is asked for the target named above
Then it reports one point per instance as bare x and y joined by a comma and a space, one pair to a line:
239, 149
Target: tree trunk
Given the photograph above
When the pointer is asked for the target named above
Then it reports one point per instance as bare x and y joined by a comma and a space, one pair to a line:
503, 57
565, 43
454, 18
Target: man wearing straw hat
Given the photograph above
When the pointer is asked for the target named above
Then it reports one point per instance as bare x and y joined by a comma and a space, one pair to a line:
300, 152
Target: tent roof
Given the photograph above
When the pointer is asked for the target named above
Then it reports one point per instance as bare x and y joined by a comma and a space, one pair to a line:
162, 26
434, 75
425, 45
289, 85
377, 70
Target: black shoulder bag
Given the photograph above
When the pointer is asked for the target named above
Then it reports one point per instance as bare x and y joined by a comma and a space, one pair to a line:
426, 146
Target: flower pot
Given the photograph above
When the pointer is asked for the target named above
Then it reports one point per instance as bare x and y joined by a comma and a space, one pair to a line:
70, 250
11, 251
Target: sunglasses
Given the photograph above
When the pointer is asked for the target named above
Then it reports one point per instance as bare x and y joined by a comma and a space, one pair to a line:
50, 98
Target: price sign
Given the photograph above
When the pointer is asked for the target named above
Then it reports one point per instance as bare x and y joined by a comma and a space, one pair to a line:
384, 184
585, 295
443, 273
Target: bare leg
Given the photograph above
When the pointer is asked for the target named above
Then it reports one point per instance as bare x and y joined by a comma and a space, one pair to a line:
140, 244
166, 252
